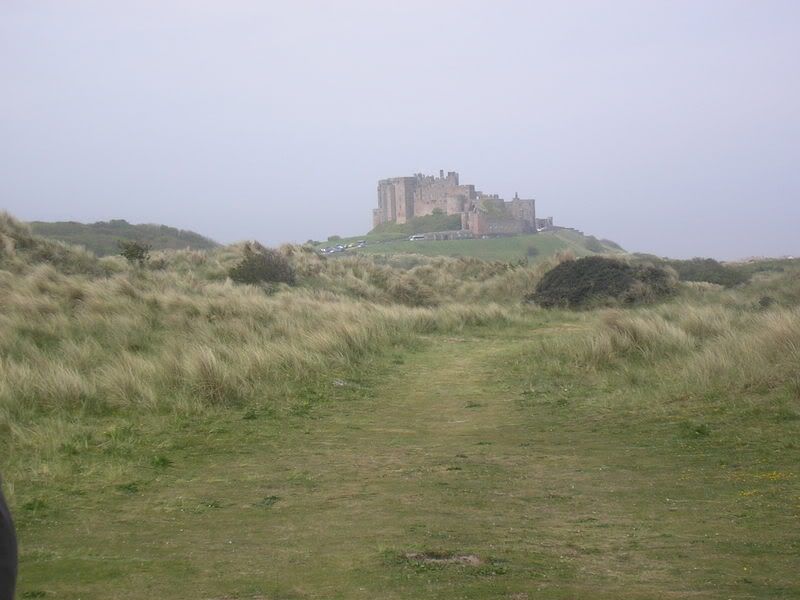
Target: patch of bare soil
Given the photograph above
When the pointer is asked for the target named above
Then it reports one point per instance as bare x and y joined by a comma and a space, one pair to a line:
444, 558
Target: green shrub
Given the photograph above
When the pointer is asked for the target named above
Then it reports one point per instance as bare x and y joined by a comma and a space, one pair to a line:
765, 302
135, 252
262, 265
577, 283
709, 270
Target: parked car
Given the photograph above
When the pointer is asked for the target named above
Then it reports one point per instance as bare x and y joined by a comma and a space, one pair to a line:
416, 237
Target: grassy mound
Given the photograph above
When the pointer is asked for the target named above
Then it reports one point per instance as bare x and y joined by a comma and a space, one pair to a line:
20, 248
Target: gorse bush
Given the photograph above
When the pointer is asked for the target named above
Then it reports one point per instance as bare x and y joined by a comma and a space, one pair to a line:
262, 265
709, 270
134, 252
595, 279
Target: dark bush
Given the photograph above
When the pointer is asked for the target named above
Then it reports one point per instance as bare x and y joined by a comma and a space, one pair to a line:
532, 251
262, 265
659, 280
766, 302
135, 252
577, 283
709, 270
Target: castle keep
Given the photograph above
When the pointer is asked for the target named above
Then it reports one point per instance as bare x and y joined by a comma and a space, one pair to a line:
401, 198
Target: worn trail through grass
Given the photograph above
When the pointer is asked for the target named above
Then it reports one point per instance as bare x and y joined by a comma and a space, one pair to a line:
440, 460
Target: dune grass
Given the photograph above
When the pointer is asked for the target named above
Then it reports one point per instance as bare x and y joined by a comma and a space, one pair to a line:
394, 427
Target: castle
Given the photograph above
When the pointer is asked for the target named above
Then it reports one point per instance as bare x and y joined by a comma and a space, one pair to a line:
401, 198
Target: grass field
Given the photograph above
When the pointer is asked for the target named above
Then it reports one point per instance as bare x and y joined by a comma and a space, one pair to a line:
507, 249
394, 428
557, 484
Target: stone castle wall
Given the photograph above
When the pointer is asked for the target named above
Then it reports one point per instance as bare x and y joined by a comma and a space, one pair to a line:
401, 198
395, 200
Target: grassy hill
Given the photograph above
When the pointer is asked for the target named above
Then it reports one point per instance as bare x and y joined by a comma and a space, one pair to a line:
424, 224
102, 237
534, 247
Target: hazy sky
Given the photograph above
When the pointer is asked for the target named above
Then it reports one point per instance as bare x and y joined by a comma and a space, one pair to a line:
671, 127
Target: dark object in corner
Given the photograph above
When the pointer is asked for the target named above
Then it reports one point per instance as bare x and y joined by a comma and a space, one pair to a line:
8, 552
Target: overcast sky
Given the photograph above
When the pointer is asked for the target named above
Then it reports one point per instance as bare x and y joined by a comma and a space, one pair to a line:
672, 127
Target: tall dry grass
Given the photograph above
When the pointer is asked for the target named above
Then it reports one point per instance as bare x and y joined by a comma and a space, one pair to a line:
78, 353
83, 339
154, 339
81, 336
683, 349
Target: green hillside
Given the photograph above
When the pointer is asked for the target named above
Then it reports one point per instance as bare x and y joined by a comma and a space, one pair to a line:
534, 247
102, 237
